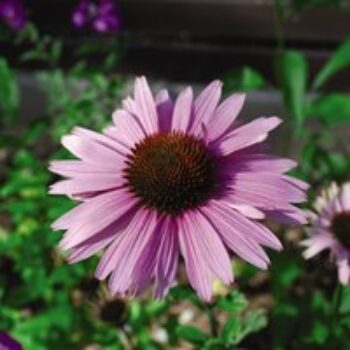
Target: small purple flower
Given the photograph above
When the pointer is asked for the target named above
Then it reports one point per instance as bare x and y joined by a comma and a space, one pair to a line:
8, 343
103, 17
83, 13
13, 13
107, 18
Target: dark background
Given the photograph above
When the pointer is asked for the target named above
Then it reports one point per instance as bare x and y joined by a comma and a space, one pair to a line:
197, 40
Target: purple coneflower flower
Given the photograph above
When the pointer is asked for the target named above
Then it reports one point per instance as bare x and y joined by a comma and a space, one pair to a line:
107, 18
331, 228
8, 343
174, 177
12, 12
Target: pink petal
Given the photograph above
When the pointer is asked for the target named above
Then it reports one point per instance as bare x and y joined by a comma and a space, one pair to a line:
293, 217
72, 168
344, 271
167, 258
113, 133
144, 268
251, 228
345, 197
211, 246
248, 134
268, 185
225, 115
183, 111
123, 258
98, 242
235, 235
128, 127
198, 271
74, 215
205, 105
129, 105
92, 245
205, 255
165, 107
88, 183
99, 138
247, 210
145, 105
316, 243
100, 212
296, 182
92, 152
259, 163
126, 240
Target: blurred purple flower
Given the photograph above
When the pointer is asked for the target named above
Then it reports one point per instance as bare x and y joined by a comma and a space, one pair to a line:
331, 228
103, 17
83, 13
107, 18
13, 13
8, 343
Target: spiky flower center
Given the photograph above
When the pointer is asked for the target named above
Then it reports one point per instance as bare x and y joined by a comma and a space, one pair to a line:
340, 227
171, 172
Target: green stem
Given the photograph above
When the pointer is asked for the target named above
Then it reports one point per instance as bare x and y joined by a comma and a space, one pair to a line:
335, 317
279, 24
213, 323
338, 296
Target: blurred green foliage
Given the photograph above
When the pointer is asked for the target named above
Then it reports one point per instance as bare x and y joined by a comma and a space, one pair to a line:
9, 95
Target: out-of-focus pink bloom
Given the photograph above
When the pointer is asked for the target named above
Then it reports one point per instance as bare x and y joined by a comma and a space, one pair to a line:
8, 343
331, 228
13, 13
174, 177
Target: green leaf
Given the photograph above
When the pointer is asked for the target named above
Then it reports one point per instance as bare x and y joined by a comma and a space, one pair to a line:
319, 333
292, 75
56, 51
243, 79
345, 301
234, 302
291, 267
338, 163
340, 60
191, 334
255, 321
9, 95
231, 331
213, 344
331, 109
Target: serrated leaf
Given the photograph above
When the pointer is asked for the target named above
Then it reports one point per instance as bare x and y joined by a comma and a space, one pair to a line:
339, 61
191, 334
292, 75
255, 321
231, 331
